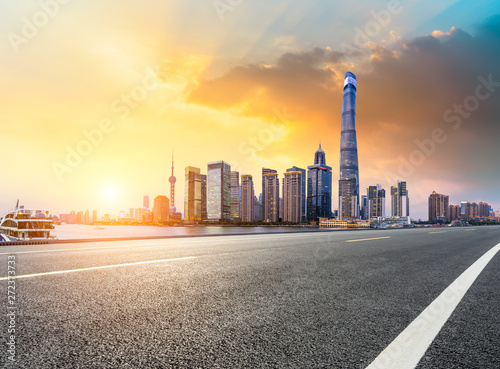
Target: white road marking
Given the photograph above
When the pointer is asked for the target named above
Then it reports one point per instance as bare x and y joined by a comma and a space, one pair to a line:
468, 230
95, 268
368, 239
408, 348
438, 232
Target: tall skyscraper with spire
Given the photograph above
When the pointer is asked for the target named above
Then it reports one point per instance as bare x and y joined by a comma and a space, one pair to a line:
349, 172
172, 181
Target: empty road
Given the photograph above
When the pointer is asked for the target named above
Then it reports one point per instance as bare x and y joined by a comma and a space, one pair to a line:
358, 299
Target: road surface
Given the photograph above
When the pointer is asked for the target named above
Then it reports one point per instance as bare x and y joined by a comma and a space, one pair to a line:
304, 300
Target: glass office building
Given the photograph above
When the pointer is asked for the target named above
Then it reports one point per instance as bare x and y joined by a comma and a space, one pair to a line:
219, 191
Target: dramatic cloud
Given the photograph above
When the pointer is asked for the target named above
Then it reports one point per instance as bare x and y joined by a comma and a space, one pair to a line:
408, 93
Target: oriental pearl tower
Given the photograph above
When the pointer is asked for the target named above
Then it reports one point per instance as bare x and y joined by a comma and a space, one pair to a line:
172, 181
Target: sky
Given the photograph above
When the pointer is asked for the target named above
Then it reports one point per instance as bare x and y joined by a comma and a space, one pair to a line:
95, 97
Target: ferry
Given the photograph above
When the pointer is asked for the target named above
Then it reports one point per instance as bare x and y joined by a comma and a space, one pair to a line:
26, 225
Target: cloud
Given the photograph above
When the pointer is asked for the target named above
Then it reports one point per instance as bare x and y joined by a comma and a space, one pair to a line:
403, 92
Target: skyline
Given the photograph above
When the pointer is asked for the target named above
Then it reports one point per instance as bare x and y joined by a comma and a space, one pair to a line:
247, 99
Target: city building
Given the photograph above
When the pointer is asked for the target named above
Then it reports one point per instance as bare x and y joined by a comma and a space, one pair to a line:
192, 195
258, 211
375, 202
139, 214
271, 191
363, 207
349, 171
247, 198
483, 210
463, 205
263, 200
203, 179
161, 209
319, 188
400, 203
219, 191
292, 197
303, 190
145, 202
235, 196
94, 216
438, 207
454, 212
87, 217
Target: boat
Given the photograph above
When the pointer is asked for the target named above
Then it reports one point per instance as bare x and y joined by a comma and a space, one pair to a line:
22, 224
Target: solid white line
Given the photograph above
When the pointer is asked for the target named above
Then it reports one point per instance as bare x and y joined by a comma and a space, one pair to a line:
408, 348
94, 268
368, 239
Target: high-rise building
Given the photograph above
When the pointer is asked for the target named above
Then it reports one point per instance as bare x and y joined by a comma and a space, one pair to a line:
161, 209
192, 195
438, 207
257, 210
235, 196
263, 193
203, 179
303, 190
483, 210
400, 203
139, 214
363, 207
145, 202
87, 217
94, 216
463, 205
349, 171
172, 181
247, 198
219, 191
271, 194
376, 202
292, 199
454, 212
319, 188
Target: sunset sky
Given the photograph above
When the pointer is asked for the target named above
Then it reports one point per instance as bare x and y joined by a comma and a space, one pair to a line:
257, 83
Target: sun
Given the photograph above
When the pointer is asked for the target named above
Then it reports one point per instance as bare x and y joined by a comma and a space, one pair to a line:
110, 193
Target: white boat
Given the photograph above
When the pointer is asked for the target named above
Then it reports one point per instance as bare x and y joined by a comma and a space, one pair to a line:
24, 225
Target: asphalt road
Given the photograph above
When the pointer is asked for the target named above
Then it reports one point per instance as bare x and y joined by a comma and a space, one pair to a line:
303, 300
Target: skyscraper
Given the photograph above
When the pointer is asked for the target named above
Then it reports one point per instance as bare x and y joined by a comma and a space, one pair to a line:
319, 188
161, 209
203, 178
303, 193
438, 207
400, 203
349, 172
172, 181
192, 195
235, 196
219, 191
376, 202
292, 199
145, 202
247, 198
263, 194
272, 198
